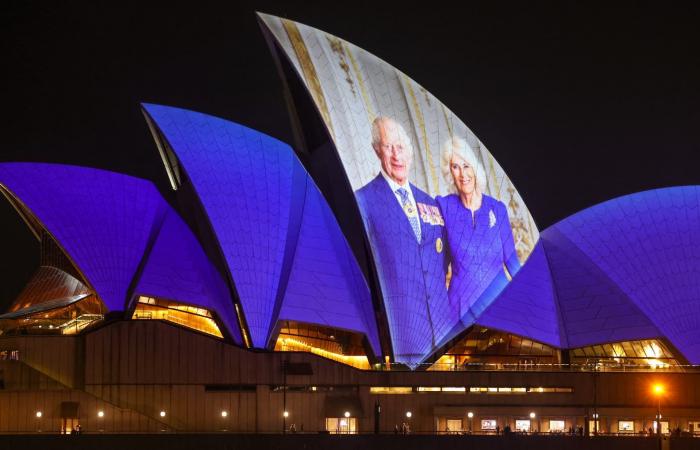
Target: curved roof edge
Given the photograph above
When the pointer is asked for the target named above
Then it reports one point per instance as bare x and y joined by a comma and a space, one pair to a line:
108, 225
641, 255
260, 203
115, 214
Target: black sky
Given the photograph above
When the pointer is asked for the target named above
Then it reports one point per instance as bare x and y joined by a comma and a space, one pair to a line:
579, 103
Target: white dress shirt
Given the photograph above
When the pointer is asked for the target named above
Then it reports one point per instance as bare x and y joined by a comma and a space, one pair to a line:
407, 186
396, 186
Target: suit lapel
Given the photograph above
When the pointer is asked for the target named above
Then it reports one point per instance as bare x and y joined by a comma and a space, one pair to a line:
394, 211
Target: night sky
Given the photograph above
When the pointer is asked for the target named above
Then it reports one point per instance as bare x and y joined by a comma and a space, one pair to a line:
579, 104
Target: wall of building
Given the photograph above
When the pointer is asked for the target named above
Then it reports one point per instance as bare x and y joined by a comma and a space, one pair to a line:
133, 370
59, 357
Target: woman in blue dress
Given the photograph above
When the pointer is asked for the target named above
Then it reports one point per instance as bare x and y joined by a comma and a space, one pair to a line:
479, 236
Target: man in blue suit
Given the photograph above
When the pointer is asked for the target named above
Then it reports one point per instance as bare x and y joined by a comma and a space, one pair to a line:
406, 232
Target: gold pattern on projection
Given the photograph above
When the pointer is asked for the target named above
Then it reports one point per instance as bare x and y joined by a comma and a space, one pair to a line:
424, 135
522, 235
363, 90
308, 71
448, 122
337, 48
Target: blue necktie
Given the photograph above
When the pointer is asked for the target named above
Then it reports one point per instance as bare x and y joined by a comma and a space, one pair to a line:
410, 212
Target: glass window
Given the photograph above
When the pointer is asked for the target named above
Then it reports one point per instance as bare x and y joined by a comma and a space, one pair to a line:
694, 426
618, 351
454, 389
339, 345
625, 426
150, 309
341, 425
522, 425
664, 426
390, 390
556, 426
454, 425
488, 424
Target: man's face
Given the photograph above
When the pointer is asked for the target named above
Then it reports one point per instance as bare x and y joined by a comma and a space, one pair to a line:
393, 153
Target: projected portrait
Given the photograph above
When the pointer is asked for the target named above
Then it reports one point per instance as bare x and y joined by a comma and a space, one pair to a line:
446, 227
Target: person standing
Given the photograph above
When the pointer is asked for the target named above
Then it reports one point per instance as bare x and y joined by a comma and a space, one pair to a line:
406, 234
479, 235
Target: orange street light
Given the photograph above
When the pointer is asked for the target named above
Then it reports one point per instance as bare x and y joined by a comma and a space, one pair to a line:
658, 389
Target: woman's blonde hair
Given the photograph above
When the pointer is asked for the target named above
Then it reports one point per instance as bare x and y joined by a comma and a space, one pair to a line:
456, 146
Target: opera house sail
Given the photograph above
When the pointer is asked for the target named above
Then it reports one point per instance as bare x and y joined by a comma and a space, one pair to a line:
436, 274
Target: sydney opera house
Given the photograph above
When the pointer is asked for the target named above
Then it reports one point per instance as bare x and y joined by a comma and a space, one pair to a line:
381, 270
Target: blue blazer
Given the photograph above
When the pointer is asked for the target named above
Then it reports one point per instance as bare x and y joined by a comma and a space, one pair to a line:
411, 273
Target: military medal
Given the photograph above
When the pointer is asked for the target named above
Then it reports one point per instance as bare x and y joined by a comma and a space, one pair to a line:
408, 209
438, 217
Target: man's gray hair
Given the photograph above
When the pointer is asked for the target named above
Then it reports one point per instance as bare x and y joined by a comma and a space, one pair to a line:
376, 135
456, 146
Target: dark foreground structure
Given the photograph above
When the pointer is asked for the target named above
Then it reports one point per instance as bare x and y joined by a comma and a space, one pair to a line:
308, 442
287, 290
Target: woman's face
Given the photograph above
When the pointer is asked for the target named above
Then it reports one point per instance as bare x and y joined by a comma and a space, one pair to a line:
463, 175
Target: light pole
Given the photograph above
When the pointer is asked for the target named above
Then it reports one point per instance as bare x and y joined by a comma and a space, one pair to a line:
470, 415
595, 424
224, 421
409, 414
285, 414
595, 399
377, 415
532, 417
658, 390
